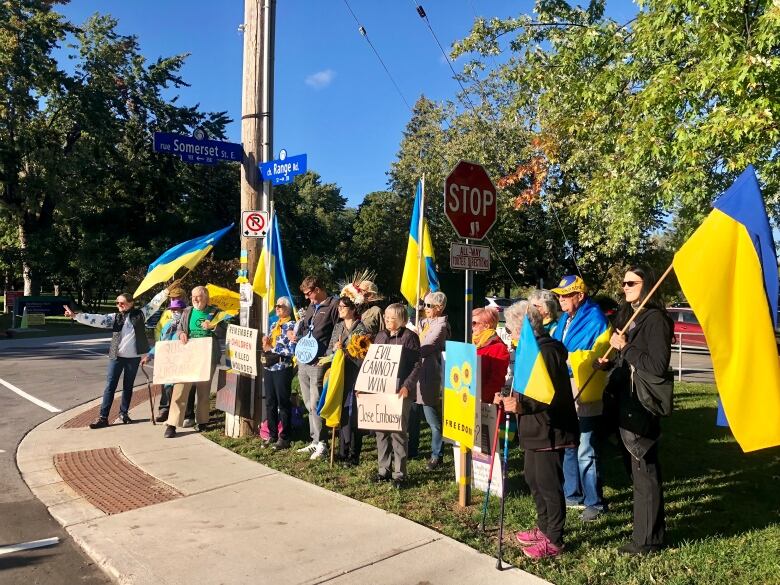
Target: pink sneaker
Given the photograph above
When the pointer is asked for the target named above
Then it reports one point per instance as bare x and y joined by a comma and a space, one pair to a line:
530, 537
543, 549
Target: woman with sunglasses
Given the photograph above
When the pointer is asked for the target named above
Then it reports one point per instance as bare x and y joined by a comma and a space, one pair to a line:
646, 347
491, 349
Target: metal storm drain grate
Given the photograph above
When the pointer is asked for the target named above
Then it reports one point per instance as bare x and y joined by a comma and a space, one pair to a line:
108, 481
139, 396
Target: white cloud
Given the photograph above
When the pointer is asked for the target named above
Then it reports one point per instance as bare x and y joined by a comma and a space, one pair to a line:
321, 79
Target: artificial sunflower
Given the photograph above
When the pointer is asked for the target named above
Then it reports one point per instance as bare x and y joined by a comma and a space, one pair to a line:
358, 346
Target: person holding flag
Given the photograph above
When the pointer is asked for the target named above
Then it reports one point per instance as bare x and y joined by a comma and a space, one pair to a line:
645, 348
547, 424
270, 280
584, 331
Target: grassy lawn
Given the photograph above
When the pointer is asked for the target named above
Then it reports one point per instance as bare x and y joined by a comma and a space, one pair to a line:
722, 506
54, 326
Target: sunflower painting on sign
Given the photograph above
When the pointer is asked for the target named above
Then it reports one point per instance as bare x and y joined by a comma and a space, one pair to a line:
461, 388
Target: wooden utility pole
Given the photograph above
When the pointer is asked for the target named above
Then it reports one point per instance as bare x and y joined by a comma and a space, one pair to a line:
256, 128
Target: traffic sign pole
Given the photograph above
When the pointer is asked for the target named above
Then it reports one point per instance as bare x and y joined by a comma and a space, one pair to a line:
464, 489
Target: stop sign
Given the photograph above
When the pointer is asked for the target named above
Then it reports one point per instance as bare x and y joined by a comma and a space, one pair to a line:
470, 200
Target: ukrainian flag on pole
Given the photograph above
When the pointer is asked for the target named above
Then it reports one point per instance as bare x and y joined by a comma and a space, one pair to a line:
728, 272
419, 269
270, 281
531, 377
184, 255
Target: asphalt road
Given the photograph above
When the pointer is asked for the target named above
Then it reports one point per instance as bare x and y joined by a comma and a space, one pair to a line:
63, 372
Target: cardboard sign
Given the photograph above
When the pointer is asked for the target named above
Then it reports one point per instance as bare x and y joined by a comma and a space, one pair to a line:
383, 412
461, 393
480, 470
379, 372
176, 362
306, 349
242, 349
226, 392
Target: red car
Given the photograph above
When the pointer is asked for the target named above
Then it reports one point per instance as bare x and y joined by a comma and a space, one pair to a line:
687, 328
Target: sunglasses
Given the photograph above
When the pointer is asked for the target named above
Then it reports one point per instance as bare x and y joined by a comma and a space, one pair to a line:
476, 323
631, 283
430, 306
280, 307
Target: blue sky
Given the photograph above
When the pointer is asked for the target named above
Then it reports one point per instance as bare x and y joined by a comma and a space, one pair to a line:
333, 100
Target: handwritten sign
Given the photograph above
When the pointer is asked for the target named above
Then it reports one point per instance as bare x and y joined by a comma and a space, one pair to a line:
480, 470
242, 349
383, 412
176, 362
379, 372
306, 349
461, 388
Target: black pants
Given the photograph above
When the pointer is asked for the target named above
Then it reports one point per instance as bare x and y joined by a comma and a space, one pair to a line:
278, 389
649, 521
165, 401
351, 443
544, 475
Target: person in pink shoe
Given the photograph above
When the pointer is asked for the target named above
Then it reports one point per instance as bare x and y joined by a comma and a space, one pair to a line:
545, 430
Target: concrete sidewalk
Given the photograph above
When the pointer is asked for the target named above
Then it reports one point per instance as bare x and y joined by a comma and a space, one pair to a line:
238, 521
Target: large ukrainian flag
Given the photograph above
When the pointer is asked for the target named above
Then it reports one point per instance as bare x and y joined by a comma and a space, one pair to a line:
531, 377
586, 338
419, 266
270, 281
728, 272
184, 255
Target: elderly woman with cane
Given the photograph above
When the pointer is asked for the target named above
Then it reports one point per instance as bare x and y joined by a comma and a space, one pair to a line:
545, 430
644, 393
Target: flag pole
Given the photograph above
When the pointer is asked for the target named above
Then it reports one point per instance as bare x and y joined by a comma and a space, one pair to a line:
628, 323
268, 268
420, 244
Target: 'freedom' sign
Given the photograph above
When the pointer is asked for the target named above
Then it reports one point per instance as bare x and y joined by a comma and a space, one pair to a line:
379, 372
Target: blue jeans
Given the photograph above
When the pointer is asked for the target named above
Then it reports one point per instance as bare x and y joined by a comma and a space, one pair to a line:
117, 367
434, 421
581, 477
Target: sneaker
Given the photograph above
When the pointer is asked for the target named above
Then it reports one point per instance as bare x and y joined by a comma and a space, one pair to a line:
126, 420
529, 537
590, 514
379, 478
280, 445
99, 423
307, 449
575, 505
319, 451
631, 548
544, 549
433, 463
162, 416
188, 422
200, 427
170, 431
265, 443
399, 483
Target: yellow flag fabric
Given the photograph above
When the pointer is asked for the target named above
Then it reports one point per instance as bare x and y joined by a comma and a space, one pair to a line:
581, 362
721, 275
332, 397
422, 267
224, 298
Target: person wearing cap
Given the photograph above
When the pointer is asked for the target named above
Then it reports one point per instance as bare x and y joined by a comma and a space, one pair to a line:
585, 333
170, 319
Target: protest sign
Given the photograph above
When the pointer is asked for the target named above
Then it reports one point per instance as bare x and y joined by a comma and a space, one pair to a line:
176, 362
242, 349
480, 469
306, 349
379, 372
383, 412
461, 391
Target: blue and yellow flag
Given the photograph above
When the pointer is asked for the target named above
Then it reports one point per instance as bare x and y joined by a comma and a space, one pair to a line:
531, 377
419, 266
184, 255
586, 338
270, 281
332, 396
728, 272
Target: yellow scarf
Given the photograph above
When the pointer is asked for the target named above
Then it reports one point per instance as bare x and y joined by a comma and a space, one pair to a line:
480, 339
277, 330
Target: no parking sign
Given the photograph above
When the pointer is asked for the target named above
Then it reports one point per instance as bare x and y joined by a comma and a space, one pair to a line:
254, 224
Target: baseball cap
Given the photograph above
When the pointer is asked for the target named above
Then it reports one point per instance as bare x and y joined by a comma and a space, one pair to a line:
570, 284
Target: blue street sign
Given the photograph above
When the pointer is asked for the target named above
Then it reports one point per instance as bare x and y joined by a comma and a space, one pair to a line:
191, 150
282, 170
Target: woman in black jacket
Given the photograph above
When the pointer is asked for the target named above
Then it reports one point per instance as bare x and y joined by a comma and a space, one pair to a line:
545, 430
644, 351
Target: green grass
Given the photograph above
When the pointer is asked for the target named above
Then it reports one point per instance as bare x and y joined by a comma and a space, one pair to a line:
722, 505
55, 326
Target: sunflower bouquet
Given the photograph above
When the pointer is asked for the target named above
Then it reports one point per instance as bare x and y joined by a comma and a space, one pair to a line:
357, 347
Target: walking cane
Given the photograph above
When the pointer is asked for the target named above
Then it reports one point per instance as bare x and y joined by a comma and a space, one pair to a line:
149, 390
499, 414
504, 475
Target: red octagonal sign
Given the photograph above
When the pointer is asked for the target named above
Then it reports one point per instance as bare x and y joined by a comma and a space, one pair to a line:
470, 200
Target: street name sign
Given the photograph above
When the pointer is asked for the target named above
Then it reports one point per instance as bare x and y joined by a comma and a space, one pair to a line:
192, 150
470, 200
282, 170
469, 257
